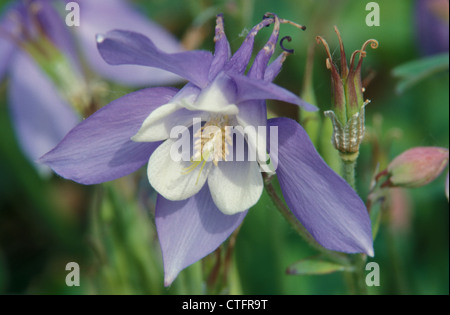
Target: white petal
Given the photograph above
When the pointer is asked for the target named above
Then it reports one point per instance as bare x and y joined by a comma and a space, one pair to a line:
256, 136
157, 125
161, 121
217, 98
168, 176
235, 186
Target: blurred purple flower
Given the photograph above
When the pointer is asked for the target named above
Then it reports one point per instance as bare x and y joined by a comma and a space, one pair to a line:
101, 16
34, 37
433, 26
193, 218
40, 114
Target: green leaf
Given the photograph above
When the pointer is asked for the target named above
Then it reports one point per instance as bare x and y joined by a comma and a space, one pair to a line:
315, 266
415, 71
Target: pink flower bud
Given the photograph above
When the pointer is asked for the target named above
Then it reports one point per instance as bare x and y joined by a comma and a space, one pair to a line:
417, 167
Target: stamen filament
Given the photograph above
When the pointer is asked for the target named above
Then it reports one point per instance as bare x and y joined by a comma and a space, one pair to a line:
373, 44
199, 173
192, 167
302, 27
344, 68
320, 39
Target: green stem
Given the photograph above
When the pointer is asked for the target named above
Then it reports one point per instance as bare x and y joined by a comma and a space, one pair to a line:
359, 275
356, 281
349, 172
349, 280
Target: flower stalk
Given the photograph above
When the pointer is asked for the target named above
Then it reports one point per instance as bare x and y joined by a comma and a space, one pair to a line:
348, 118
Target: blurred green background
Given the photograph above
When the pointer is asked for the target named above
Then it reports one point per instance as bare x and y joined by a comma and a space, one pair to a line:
46, 222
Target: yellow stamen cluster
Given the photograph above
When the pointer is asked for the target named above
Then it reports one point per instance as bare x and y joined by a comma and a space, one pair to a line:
213, 140
212, 143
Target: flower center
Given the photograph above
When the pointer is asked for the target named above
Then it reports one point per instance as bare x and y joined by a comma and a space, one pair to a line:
211, 143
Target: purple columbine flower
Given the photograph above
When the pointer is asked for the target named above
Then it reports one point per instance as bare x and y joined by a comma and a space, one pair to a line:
200, 205
48, 88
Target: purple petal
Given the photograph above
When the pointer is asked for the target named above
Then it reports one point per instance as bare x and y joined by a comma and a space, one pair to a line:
320, 199
274, 68
239, 62
254, 112
41, 117
253, 89
117, 14
124, 47
222, 51
189, 230
100, 149
259, 66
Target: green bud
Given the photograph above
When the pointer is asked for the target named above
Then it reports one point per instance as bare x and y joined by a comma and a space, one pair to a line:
348, 102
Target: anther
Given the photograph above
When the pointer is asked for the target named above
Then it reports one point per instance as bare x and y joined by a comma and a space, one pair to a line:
302, 27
